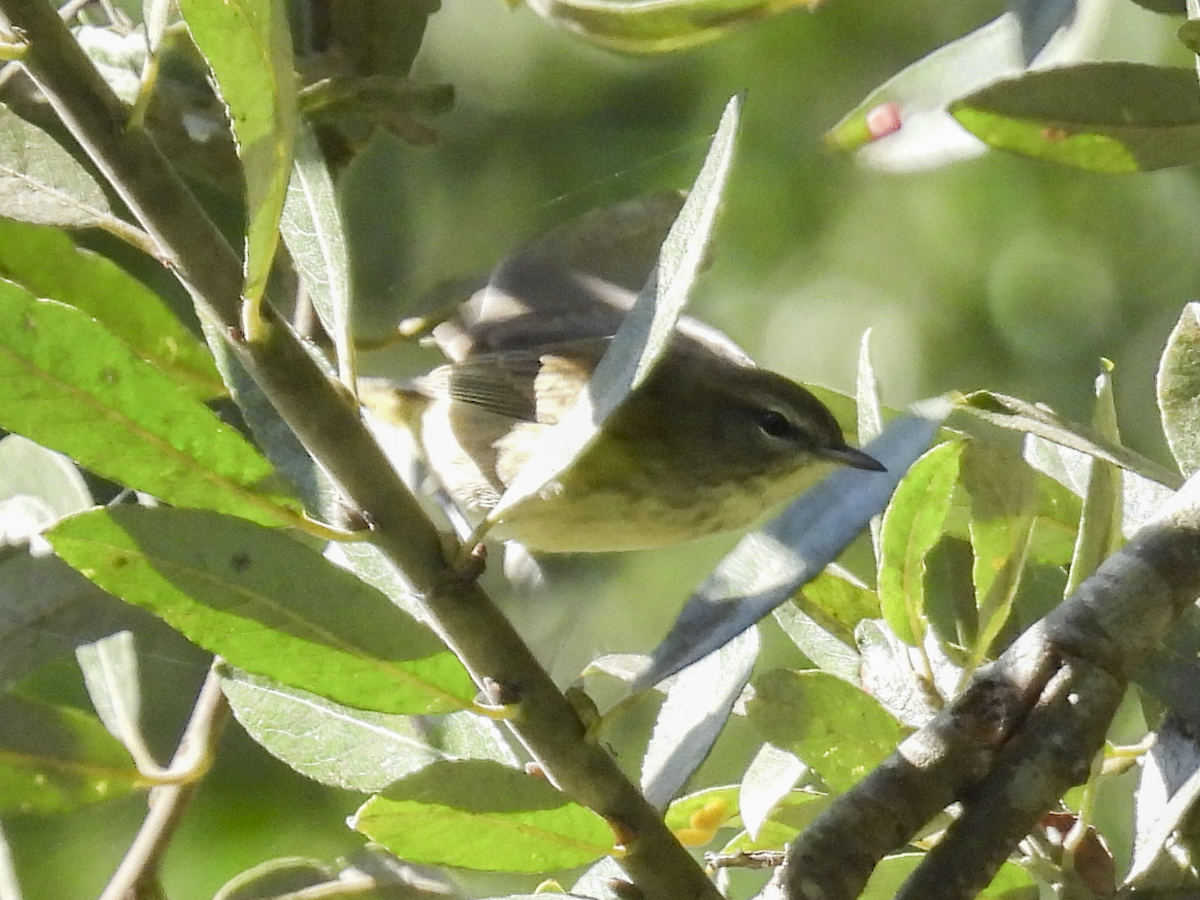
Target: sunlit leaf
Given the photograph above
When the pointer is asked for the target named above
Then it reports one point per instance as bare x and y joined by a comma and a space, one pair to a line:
352, 748
267, 604
72, 386
832, 726
482, 815
247, 45
1103, 117
912, 527
49, 265
644, 335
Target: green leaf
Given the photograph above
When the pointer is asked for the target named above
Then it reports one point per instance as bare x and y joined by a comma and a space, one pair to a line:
40, 182
54, 759
1108, 117
655, 26
1000, 527
351, 748
47, 263
912, 526
248, 48
312, 228
267, 604
832, 726
1100, 520
1036, 419
482, 815
47, 609
645, 333
821, 620
74, 387
1179, 389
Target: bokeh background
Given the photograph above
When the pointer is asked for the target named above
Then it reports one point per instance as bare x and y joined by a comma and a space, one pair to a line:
997, 273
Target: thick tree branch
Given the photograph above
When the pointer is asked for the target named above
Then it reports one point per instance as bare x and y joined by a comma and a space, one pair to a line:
328, 423
1023, 732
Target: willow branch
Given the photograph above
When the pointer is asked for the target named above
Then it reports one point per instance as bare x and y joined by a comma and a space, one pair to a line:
328, 423
1023, 732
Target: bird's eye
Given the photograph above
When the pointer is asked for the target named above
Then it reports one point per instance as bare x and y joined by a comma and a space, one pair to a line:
775, 424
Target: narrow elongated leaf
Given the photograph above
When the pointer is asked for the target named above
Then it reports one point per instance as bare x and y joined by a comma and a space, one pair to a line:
645, 333
110, 671
1000, 528
1100, 521
267, 604
912, 527
769, 778
1179, 390
768, 566
1103, 117
654, 26
248, 48
1031, 418
698, 704
72, 386
351, 748
312, 228
47, 263
832, 726
482, 815
54, 759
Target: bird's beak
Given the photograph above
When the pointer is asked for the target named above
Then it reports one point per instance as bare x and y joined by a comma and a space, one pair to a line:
855, 458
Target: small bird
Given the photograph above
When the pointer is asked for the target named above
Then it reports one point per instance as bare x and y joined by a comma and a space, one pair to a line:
708, 443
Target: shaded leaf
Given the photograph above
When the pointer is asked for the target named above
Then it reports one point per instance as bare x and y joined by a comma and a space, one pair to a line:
54, 759
40, 182
1178, 386
267, 604
1001, 528
47, 609
653, 26
1103, 117
482, 815
49, 265
832, 726
351, 748
72, 386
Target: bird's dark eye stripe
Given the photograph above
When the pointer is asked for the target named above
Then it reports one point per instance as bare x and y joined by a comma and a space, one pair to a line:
775, 424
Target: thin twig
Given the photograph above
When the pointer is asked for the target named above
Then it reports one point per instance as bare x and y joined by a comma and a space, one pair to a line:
169, 802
